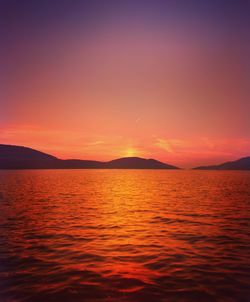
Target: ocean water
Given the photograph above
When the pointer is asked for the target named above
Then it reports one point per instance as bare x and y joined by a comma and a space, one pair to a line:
124, 235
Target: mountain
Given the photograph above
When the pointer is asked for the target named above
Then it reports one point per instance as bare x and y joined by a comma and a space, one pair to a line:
137, 163
22, 153
18, 157
240, 164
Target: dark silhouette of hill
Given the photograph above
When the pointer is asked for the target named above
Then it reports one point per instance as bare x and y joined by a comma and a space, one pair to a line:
23, 153
80, 164
240, 164
18, 157
137, 163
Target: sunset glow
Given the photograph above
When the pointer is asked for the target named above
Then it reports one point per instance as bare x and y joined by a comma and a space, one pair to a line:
106, 79
131, 152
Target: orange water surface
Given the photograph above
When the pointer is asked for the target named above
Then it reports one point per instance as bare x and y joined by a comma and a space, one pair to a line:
124, 235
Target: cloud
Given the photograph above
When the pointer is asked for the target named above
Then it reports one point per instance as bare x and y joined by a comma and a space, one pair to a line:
168, 145
95, 143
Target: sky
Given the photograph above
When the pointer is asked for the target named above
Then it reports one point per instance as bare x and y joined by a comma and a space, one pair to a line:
107, 79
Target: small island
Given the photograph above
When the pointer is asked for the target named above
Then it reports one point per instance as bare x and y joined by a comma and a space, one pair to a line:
240, 164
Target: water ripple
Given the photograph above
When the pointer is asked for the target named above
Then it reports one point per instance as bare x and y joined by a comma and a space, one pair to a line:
108, 235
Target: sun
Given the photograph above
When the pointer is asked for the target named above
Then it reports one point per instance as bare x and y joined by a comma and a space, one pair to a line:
130, 152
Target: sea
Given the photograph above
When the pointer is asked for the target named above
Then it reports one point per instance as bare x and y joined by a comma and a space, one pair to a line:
124, 235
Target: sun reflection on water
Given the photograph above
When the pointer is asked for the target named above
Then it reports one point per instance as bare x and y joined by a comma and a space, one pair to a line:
127, 235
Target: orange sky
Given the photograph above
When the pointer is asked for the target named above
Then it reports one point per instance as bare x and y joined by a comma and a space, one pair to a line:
104, 83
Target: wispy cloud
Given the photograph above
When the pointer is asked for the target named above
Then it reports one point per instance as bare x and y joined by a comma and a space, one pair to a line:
168, 145
95, 143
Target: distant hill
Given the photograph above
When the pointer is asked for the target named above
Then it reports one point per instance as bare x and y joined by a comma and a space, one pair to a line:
22, 153
240, 164
137, 163
18, 157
